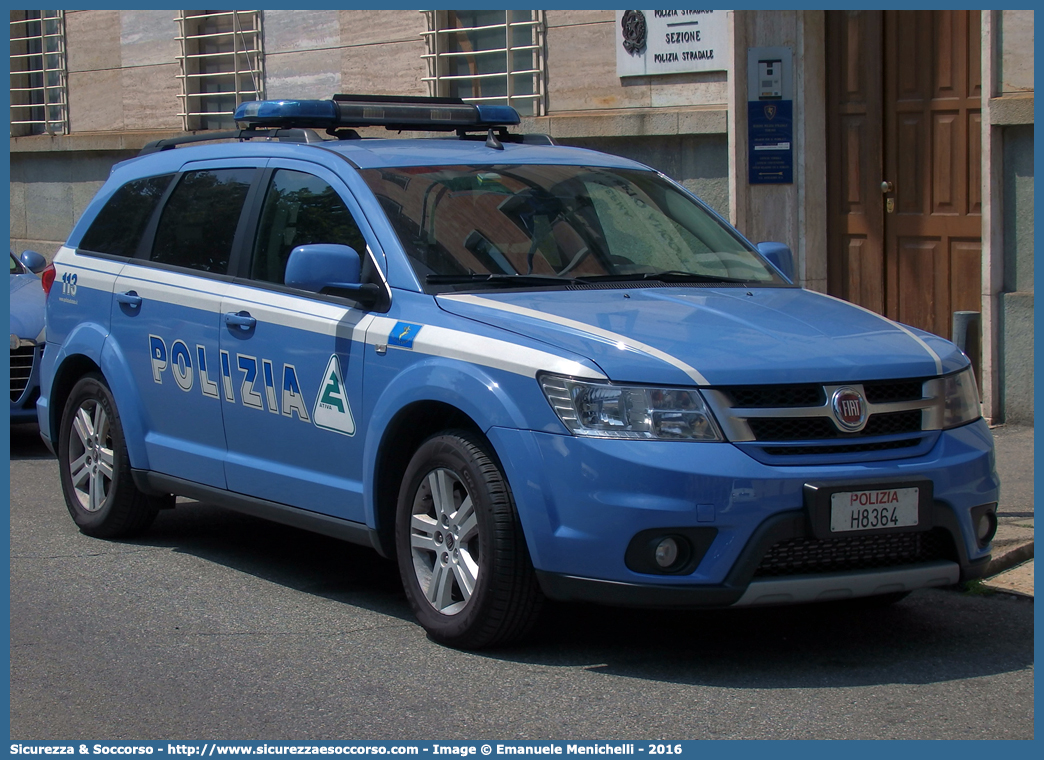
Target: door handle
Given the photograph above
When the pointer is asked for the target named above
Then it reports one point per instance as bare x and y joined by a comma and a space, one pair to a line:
241, 319
130, 298
888, 188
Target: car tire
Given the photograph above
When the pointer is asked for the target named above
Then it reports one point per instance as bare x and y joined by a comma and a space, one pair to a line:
95, 468
460, 549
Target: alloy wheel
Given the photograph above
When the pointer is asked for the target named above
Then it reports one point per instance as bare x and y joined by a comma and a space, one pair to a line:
91, 455
444, 541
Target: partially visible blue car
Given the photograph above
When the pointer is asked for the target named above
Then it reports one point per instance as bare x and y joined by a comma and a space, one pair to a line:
27, 334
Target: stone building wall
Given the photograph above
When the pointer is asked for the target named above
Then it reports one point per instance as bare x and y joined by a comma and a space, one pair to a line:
123, 92
1015, 91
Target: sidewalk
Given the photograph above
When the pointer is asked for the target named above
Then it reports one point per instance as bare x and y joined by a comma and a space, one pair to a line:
1011, 570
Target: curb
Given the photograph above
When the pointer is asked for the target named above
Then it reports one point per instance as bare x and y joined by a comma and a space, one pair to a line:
1009, 559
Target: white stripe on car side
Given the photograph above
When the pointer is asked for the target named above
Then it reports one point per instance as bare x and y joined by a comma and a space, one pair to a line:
96, 274
478, 349
902, 328
622, 341
68, 257
322, 318
285, 303
172, 288
280, 309
330, 319
297, 312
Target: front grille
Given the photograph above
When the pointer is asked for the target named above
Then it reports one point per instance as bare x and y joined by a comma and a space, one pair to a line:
792, 428
819, 428
22, 359
801, 414
809, 556
893, 391
769, 396
848, 448
894, 423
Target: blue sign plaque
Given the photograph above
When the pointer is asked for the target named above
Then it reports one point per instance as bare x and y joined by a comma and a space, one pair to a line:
770, 142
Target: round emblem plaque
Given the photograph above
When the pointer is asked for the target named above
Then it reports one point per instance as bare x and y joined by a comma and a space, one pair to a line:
634, 31
849, 408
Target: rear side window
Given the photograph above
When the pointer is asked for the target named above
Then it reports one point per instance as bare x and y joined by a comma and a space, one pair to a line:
198, 224
118, 228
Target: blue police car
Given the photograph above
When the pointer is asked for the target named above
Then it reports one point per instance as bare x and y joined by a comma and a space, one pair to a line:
27, 334
521, 369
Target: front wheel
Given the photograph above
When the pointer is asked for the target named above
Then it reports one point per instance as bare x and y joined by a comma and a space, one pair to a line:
461, 552
95, 469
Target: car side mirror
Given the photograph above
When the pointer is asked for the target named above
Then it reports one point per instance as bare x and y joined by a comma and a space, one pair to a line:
33, 261
329, 269
779, 256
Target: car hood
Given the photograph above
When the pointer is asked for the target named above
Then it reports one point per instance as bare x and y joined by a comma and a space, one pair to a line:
27, 306
716, 336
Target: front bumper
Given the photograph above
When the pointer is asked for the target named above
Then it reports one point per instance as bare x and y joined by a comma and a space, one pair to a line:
742, 589
582, 501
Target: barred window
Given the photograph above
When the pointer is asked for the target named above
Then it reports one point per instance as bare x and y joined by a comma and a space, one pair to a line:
38, 86
221, 65
487, 56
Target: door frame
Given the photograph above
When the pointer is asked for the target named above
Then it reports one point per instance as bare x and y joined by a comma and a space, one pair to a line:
992, 212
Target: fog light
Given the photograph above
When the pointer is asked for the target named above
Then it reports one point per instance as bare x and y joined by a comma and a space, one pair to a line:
666, 552
984, 523
986, 528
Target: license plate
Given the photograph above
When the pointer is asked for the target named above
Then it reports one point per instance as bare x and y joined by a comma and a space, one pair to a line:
873, 509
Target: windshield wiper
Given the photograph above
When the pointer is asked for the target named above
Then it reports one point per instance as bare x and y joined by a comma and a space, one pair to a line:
505, 280
666, 276
522, 280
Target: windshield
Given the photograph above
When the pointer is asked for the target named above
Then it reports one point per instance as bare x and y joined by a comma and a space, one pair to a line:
16, 266
550, 225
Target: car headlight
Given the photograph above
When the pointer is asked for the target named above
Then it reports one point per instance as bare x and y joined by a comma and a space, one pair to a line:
17, 342
605, 410
960, 399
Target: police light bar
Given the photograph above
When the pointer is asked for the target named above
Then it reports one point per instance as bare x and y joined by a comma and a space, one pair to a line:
429, 114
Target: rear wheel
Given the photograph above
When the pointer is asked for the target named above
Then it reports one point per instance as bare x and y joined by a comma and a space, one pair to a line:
95, 469
461, 553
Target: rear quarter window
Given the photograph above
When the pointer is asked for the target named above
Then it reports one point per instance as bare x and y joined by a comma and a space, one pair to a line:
118, 228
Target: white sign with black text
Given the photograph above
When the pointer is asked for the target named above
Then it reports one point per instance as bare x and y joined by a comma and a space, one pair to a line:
671, 42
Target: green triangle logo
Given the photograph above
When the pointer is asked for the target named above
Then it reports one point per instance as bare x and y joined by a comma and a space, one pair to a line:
332, 395
332, 410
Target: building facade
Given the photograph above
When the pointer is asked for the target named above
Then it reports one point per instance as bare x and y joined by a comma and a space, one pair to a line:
892, 151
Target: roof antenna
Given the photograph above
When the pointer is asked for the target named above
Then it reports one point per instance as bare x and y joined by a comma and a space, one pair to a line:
493, 142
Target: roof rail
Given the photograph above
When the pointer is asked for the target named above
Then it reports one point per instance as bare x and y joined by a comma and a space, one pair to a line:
282, 135
390, 112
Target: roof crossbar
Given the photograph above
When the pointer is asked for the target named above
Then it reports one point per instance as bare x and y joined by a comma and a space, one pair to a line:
282, 135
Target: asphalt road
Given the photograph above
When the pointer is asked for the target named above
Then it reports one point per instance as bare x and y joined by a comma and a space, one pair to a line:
220, 626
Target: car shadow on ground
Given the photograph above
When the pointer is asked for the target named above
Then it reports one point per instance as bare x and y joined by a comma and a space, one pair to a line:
932, 636
294, 558
26, 442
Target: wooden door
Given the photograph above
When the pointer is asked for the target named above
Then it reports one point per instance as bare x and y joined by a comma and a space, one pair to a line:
855, 162
904, 108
